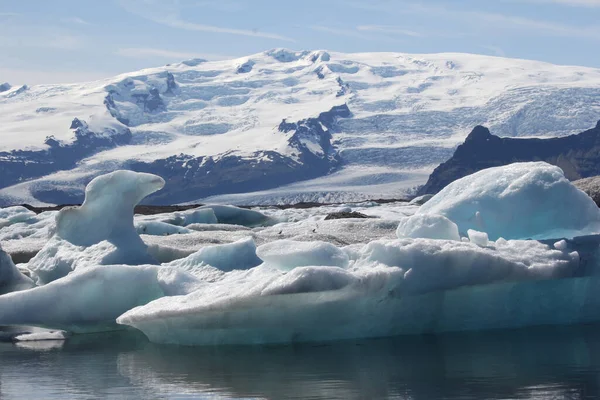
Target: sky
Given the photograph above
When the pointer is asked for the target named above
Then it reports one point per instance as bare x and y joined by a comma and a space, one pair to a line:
63, 41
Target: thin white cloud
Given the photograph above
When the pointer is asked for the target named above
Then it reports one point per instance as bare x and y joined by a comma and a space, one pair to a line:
44, 40
166, 13
571, 3
339, 32
75, 20
147, 52
496, 20
389, 29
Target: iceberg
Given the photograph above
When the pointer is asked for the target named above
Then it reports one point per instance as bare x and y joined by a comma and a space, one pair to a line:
517, 201
11, 279
230, 276
289, 254
101, 230
239, 255
375, 292
239, 216
91, 299
431, 226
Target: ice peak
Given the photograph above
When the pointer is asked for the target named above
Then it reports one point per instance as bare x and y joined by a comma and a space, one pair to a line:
107, 212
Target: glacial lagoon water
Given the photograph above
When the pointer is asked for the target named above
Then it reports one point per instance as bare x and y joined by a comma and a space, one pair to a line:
539, 363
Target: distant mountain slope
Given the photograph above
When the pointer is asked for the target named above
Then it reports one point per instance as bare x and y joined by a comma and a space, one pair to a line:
577, 155
380, 122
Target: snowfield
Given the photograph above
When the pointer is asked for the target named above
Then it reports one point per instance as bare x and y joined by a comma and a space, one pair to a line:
312, 126
220, 274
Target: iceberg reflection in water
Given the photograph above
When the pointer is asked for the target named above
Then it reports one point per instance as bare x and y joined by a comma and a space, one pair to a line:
538, 363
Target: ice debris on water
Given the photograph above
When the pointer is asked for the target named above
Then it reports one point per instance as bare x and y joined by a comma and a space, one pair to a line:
236, 276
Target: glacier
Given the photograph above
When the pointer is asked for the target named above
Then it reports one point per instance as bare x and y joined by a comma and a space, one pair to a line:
280, 126
272, 275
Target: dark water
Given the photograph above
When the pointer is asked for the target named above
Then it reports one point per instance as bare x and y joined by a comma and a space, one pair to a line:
541, 363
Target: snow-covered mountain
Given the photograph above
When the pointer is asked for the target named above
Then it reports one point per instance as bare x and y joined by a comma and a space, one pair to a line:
280, 126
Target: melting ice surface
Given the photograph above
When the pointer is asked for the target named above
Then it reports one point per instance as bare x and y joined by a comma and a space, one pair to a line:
226, 275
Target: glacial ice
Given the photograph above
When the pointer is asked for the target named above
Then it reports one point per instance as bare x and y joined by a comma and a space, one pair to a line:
101, 230
275, 302
239, 216
107, 211
224, 257
89, 300
310, 279
181, 218
159, 228
431, 226
517, 201
289, 254
481, 238
11, 279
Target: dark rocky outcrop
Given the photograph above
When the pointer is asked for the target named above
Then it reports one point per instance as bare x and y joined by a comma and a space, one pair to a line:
578, 155
591, 186
4, 87
346, 214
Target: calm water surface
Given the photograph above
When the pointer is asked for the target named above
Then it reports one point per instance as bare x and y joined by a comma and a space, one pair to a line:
541, 363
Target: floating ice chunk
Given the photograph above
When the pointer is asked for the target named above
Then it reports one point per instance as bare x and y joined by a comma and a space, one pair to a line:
561, 245
240, 216
225, 257
289, 254
107, 211
180, 218
199, 216
91, 299
41, 336
101, 231
11, 279
379, 293
13, 215
517, 201
430, 226
479, 238
159, 228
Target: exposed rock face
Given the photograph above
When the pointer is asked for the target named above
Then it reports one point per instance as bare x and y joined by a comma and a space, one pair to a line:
591, 186
577, 155
4, 87
346, 214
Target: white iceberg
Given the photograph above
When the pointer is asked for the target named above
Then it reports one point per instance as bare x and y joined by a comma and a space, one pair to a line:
430, 226
239, 216
91, 299
376, 293
289, 254
517, 201
101, 230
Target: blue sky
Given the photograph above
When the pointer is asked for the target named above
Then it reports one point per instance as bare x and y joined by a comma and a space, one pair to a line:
73, 40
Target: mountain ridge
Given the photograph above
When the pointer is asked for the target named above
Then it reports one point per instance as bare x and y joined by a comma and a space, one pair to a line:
577, 155
403, 115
